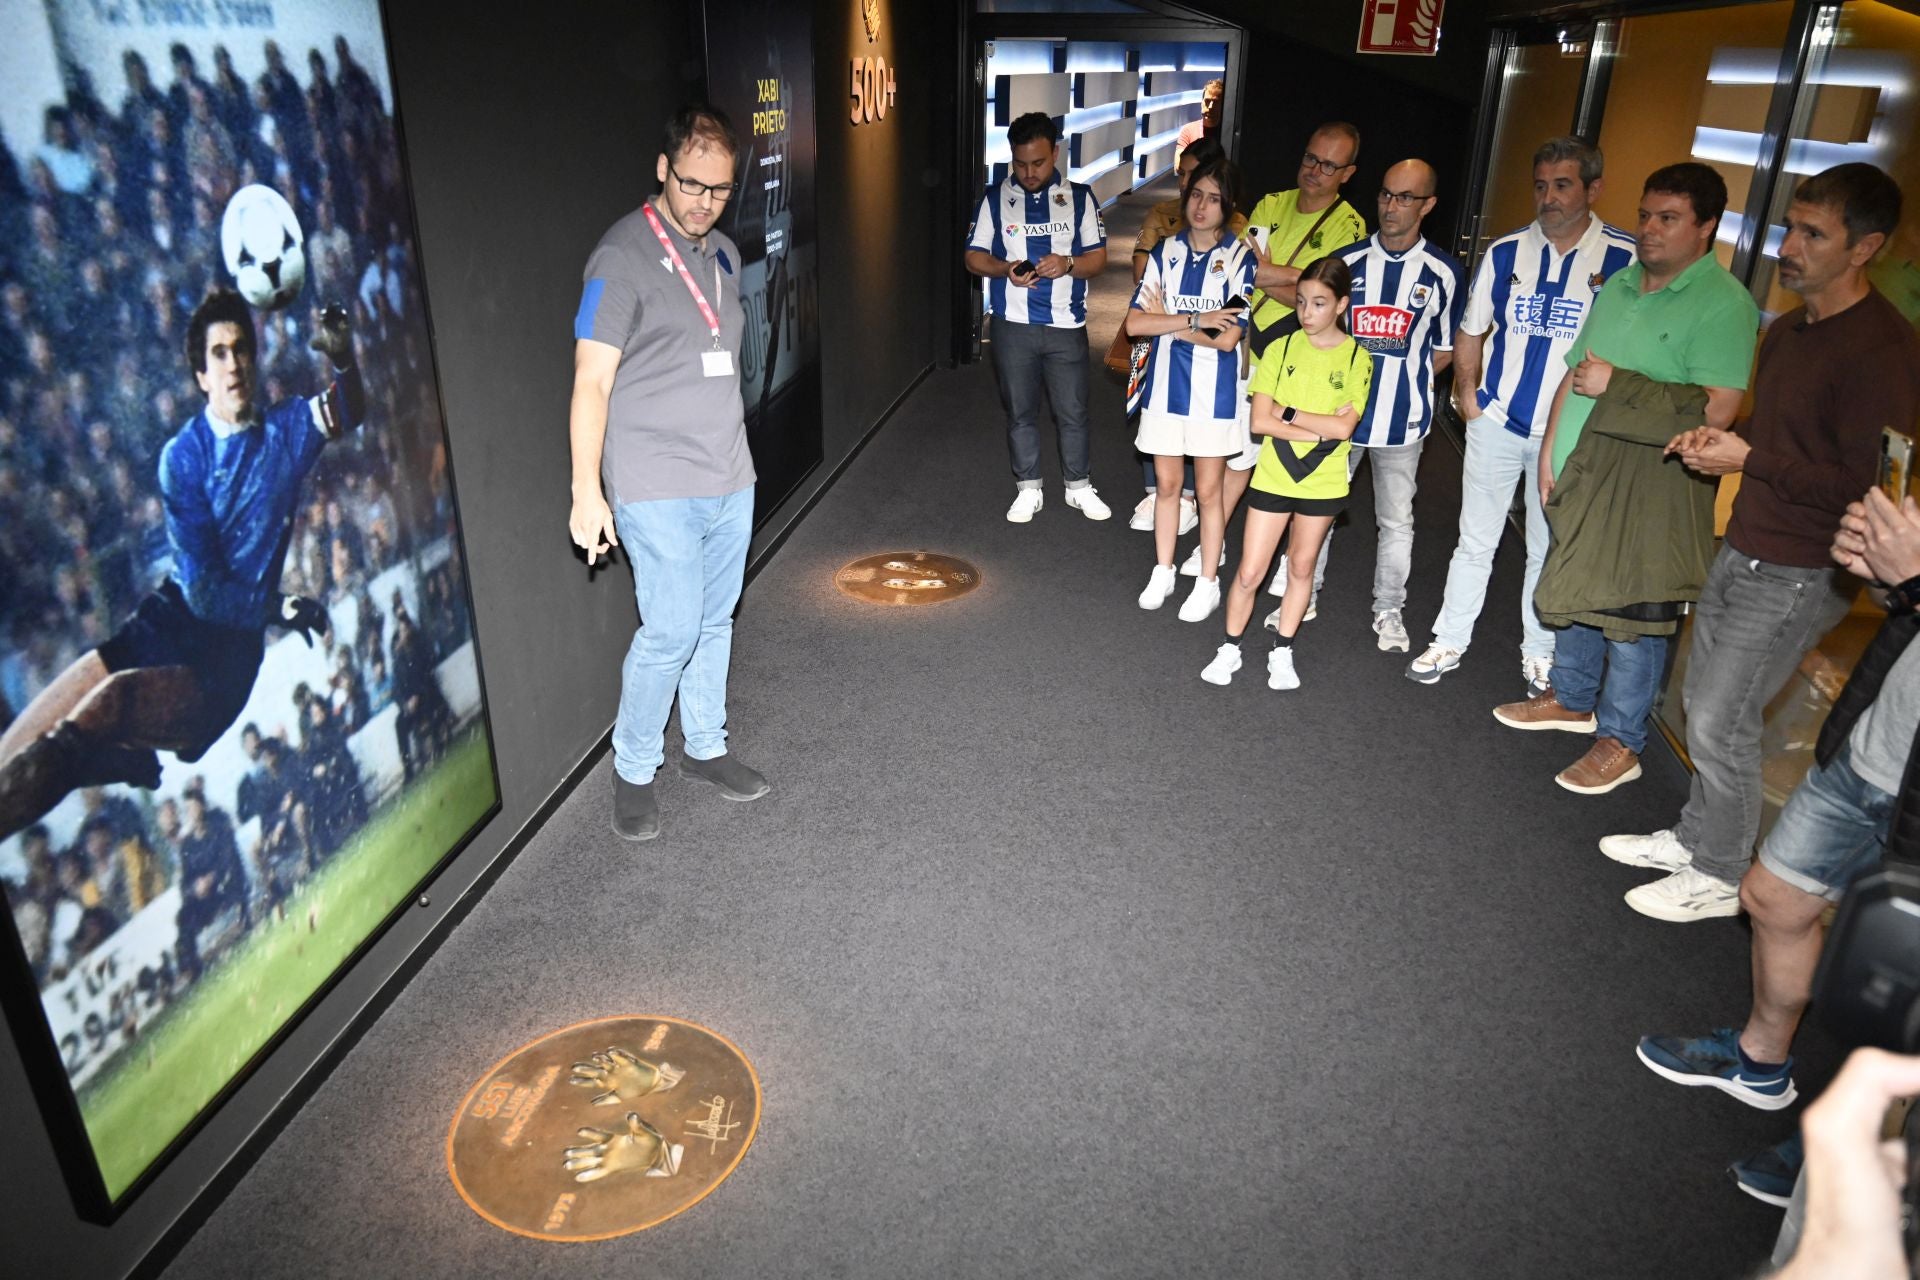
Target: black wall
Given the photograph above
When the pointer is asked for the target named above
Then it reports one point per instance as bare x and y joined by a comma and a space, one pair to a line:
530, 129
1290, 88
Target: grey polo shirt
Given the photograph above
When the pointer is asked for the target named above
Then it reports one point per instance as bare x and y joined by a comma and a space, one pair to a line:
672, 431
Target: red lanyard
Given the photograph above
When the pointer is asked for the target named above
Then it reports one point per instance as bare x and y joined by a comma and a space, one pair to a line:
699, 298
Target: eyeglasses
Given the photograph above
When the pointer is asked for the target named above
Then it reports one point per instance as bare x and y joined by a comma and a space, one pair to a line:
1403, 199
718, 190
1328, 167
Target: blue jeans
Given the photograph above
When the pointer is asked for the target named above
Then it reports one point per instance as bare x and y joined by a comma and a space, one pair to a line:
1832, 831
689, 556
1496, 460
1616, 680
1038, 363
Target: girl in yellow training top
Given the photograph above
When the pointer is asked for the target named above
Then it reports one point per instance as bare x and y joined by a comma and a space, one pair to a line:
1308, 394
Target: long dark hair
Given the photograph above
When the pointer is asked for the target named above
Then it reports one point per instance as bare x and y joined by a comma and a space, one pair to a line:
1226, 177
1334, 273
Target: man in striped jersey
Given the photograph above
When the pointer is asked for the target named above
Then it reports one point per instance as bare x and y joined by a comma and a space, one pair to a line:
1036, 240
1530, 295
1407, 300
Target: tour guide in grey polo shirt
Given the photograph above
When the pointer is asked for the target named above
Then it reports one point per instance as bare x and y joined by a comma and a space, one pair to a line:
657, 415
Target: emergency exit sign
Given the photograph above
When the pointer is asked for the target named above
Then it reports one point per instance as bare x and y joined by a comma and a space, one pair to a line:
1400, 26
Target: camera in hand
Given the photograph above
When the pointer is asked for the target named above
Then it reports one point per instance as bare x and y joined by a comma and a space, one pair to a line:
1867, 991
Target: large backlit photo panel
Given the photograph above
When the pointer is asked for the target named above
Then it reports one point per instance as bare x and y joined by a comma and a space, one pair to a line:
242, 709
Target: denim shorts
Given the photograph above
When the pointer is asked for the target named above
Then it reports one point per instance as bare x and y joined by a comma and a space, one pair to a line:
1832, 831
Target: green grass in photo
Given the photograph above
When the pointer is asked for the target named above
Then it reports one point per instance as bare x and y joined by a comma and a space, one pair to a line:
194, 1047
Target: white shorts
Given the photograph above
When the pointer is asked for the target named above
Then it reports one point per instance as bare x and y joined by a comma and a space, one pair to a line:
1176, 436
1249, 454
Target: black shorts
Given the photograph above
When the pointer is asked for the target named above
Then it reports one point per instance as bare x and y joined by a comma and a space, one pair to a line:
164, 632
1281, 504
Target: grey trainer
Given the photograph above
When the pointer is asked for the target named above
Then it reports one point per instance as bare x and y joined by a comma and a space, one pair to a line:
636, 812
735, 780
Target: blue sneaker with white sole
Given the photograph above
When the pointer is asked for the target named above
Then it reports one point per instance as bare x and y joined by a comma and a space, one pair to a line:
1715, 1060
1770, 1175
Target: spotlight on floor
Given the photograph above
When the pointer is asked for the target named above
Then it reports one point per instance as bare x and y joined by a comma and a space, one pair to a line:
907, 577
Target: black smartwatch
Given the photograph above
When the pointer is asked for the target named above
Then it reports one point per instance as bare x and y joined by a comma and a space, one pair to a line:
1286, 414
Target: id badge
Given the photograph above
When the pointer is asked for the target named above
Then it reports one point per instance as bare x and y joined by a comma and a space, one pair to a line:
716, 364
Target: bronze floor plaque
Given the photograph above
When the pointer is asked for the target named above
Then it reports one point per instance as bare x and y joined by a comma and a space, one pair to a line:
907, 577
603, 1128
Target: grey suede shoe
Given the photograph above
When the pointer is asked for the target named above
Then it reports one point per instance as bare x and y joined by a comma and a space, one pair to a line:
636, 813
735, 780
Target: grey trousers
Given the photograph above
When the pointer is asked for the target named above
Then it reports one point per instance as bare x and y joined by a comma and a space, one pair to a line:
1038, 364
1754, 623
1395, 470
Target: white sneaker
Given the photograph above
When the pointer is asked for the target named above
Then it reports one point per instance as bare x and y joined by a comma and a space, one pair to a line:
1025, 503
1685, 896
1190, 567
1159, 586
1278, 586
1391, 630
1434, 663
1226, 661
1661, 851
1538, 673
1272, 621
1280, 672
1202, 602
1142, 515
1087, 499
1189, 514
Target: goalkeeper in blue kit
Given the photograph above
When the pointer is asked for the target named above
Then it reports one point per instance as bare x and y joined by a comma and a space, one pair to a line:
177, 673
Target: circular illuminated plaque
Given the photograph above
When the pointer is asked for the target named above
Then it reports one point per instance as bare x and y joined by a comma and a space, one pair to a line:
603, 1128
907, 577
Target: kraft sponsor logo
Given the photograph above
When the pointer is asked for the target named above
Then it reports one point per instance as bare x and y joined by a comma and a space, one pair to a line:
1375, 321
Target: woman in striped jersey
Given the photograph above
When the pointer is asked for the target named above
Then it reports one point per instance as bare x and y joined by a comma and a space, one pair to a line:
1308, 394
1190, 404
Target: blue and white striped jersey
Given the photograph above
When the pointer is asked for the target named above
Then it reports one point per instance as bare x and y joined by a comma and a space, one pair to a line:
1185, 378
1403, 308
1534, 299
1013, 223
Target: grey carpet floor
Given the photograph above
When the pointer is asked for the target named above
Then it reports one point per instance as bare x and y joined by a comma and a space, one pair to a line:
1055, 961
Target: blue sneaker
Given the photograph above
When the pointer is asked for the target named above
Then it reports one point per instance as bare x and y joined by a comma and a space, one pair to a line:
1770, 1175
1715, 1060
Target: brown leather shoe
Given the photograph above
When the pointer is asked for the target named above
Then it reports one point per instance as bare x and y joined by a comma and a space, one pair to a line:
1606, 765
1543, 711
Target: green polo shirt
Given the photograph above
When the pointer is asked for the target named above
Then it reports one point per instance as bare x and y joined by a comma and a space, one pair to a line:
1699, 329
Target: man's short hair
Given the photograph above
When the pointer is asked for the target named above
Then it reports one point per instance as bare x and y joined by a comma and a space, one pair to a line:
1701, 184
1867, 200
1031, 126
1566, 147
1217, 86
221, 306
697, 126
1340, 129
1225, 176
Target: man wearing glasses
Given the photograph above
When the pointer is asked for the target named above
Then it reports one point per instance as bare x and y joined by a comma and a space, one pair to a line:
1295, 227
658, 418
1407, 299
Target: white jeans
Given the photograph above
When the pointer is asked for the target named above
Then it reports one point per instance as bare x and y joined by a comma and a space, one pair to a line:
1496, 460
1394, 477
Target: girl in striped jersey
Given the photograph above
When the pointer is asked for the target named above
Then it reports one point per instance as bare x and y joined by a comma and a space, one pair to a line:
1308, 395
1192, 398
